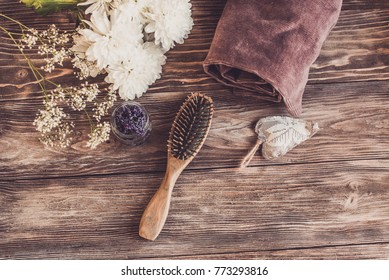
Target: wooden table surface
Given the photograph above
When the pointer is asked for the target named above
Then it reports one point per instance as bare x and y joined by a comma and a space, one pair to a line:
326, 199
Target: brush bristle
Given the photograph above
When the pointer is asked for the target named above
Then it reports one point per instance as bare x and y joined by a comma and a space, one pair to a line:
191, 126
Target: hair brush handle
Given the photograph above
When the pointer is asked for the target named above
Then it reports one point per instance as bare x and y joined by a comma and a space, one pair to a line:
155, 214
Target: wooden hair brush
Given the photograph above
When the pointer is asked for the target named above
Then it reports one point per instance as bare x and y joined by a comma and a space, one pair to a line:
187, 135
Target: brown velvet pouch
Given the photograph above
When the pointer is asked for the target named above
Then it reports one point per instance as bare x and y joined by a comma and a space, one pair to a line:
268, 46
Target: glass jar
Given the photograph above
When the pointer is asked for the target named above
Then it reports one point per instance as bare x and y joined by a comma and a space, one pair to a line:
131, 123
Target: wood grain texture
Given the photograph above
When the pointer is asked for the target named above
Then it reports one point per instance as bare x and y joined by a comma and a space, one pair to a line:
348, 131
326, 199
356, 50
156, 212
352, 252
212, 212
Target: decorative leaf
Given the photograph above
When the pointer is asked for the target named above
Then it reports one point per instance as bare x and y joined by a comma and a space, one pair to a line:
280, 134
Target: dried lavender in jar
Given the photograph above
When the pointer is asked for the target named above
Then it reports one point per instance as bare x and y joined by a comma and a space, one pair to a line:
131, 123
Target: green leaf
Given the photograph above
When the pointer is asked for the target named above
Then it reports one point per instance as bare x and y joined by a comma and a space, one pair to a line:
49, 6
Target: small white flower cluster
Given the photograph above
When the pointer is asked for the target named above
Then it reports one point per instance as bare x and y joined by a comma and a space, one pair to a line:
51, 122
99, 135
127, 40
79, 96
51, 44
101, 108
30, 39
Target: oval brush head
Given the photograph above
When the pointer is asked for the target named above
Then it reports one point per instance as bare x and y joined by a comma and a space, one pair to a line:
190, 126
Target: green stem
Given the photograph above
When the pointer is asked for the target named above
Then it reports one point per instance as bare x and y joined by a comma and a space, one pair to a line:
35, 72
81, 17
16, 33
14, 20
22, 27
30, 64
55, 84
89, 119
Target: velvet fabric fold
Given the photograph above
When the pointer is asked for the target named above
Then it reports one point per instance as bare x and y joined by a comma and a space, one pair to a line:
268, 46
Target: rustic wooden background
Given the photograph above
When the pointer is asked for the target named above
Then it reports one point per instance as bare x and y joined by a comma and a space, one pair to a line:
326, 199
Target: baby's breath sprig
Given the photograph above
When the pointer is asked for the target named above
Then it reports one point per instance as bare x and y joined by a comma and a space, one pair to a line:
101, 108
99, 135
53, 121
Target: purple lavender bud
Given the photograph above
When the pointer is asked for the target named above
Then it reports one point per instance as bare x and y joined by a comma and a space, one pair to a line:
131, 123
130, 119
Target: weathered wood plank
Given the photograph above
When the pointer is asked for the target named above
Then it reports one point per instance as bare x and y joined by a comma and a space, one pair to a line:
318, 201
353, 252
356, 50
364, 5
349, 130
233, 127
212, 212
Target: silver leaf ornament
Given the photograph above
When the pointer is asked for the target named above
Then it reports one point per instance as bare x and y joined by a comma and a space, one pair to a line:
278, 135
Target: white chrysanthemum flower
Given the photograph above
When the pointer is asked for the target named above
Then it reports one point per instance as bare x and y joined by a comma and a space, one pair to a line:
87, 68
169, 20
100, 6
111, 38
81, 44
133, 76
